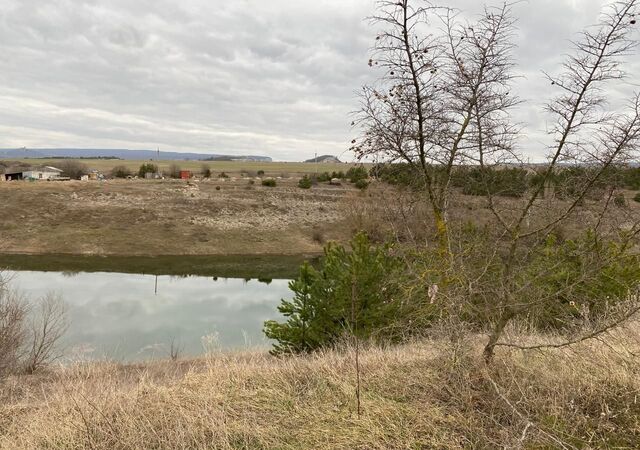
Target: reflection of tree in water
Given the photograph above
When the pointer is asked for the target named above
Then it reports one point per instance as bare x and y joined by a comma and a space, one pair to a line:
260, 280
180, 276
70, 273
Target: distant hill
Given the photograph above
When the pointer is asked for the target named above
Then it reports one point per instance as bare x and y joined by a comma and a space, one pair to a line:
118, 153
236, 158
324, 159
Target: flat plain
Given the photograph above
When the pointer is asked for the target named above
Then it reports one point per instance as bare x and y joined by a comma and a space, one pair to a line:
233, 216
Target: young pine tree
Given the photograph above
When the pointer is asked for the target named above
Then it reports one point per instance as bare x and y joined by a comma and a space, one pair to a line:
320, 313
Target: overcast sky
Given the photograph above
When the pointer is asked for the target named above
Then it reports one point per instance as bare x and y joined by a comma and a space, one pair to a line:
275, 78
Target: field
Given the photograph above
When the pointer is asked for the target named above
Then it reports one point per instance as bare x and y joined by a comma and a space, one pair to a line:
431, 394
234, 216
230, 167
433, 391
171, 217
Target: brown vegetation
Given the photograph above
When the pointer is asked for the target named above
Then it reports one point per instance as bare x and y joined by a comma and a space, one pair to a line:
434, 393
444, 99
30, 330
145, 217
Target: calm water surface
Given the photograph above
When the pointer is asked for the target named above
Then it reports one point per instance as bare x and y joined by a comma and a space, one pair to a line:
128, 317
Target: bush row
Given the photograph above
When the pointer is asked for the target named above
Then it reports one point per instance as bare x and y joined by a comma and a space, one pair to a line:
565, 182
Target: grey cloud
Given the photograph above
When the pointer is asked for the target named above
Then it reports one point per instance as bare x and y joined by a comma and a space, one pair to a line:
250, 76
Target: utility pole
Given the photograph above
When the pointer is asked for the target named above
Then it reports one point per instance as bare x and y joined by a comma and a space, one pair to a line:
316, 160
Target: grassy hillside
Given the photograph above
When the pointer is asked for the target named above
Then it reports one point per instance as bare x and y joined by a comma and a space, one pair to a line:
430, 394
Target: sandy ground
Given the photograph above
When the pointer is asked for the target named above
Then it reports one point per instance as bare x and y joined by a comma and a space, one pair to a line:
169, 217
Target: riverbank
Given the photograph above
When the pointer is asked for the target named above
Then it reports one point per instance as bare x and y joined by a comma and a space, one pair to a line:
222, 266
429, 394
170, 217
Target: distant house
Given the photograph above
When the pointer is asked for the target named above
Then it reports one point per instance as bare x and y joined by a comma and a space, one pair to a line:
12, 173
42, 173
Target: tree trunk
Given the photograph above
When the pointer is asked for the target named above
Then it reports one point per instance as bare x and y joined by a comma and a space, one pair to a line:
495, 335
442, 232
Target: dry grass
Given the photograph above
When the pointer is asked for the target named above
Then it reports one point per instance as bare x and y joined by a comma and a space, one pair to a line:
428, 394
168, 217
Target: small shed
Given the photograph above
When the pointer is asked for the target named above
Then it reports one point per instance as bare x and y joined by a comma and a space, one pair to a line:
12, 173
185, 174
42, 173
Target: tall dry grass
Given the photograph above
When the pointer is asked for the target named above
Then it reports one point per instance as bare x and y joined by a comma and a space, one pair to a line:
433, 393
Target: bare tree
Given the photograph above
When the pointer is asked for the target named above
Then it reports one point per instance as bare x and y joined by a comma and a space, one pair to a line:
73, 169
13, 315
176, 348
174, 171
48, 325
584, 132
445, 100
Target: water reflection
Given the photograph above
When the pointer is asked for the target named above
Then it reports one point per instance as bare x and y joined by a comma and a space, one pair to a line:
129, 316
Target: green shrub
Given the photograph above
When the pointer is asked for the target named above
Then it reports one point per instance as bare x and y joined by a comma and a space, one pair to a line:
350, 284
206, 171
305, 183
571, 182
269, 182
323, 177
637, 197
147, 168
631, 178
362, 184
357, 173
587, 272
223, 175
510, 182
260, 173
619, 200
401, 174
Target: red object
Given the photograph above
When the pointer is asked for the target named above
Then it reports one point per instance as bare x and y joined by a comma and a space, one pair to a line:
185, 174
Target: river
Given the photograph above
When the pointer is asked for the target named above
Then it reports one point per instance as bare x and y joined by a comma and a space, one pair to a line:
136, 316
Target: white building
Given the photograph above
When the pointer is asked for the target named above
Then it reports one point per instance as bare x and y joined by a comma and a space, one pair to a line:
42, 173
